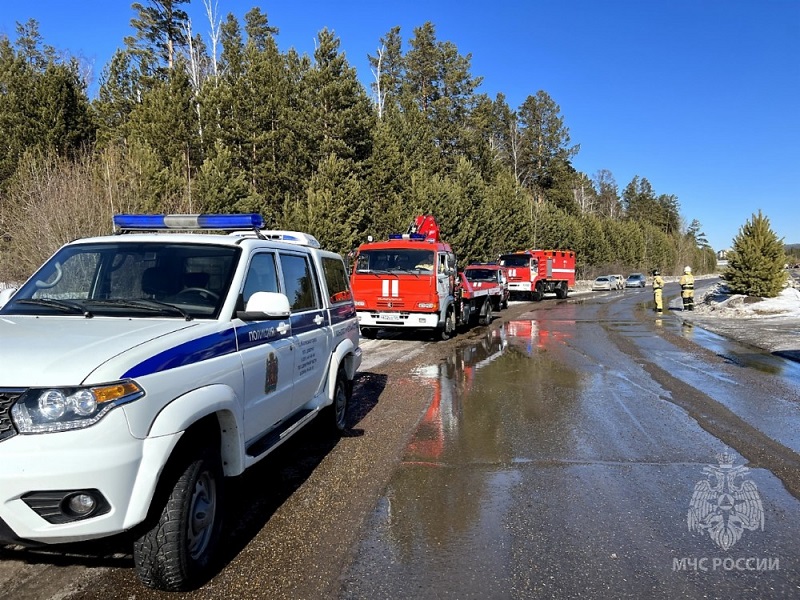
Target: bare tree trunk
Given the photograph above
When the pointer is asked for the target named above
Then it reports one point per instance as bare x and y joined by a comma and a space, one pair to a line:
195, 76
380, 95
214, 21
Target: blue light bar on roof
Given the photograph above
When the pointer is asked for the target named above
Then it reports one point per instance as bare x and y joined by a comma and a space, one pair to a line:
417, 237
217, 222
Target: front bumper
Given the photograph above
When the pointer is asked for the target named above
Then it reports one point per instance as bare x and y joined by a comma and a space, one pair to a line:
406, 320
125, 473
519, 286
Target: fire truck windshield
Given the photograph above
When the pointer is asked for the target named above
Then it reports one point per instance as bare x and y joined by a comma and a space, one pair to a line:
395, 259
481, 274
515, 260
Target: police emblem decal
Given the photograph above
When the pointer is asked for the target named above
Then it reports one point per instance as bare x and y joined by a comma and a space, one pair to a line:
271, 383
725, 503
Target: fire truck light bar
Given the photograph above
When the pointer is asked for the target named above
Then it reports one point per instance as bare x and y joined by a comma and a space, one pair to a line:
418, 237
158, 222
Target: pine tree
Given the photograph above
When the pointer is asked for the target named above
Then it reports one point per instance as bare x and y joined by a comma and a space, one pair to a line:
339, 112
43, 102
272, 157
756, 264
439, 83
331, 209
607, 194
499, 212
119, 94
166, 121
388, 179
218, 187
545, 151
387, 70
160, 35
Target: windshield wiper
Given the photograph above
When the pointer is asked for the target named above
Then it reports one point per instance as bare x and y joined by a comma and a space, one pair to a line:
412, 271
148, 304
64, 305
376, 272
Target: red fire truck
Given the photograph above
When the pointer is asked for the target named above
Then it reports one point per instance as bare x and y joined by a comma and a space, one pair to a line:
411, 281
533, 273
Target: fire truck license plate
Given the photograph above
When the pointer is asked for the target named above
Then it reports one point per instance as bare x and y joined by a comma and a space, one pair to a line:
388, 317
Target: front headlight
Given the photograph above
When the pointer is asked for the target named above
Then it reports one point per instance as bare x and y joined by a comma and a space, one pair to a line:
62, 409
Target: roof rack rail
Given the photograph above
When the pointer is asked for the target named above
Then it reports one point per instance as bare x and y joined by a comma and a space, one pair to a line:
290, 237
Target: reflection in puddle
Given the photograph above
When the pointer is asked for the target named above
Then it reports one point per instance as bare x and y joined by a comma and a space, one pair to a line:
517, 381
532, 335
450, 380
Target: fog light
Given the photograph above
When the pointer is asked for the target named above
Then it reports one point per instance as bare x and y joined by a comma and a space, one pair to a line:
67, 506
81, 505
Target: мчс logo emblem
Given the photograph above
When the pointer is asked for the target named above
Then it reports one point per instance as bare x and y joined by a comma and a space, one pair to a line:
725, 503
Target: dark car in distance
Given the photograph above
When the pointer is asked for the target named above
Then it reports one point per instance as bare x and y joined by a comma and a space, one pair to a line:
636, 280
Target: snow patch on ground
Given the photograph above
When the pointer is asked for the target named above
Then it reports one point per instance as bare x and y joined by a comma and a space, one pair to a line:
719, 302
772, 324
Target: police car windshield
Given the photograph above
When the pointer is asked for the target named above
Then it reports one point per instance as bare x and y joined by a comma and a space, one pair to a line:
130, 279
395, 260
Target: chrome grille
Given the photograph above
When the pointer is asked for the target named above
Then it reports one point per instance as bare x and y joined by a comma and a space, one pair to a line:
7, 399
395, 304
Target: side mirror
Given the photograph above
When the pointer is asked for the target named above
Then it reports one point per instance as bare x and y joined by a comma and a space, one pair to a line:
5, 295
265, 305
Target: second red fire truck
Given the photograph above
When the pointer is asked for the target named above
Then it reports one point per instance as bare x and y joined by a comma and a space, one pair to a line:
533, 273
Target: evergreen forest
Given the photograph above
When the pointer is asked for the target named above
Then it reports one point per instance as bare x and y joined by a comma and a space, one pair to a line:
228, 122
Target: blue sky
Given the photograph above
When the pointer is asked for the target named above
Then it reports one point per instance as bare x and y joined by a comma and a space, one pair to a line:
701, 97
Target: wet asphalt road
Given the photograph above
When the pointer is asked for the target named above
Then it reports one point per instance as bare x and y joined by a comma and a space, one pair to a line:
554, 454
560, 460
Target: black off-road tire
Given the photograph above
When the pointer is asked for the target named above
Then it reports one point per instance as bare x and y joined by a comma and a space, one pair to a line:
369, 332
537, 294
335, 415
177, 552
444, 332
561, 291
486, 318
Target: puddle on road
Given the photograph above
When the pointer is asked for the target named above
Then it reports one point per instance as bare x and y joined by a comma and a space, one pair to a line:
497, 405
463, 415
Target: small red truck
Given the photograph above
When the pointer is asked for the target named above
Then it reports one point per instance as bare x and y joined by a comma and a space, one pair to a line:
411, 281
533, 273
490, 276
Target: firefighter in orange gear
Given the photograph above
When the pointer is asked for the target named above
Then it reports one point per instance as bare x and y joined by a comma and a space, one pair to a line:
687, 289
658, 289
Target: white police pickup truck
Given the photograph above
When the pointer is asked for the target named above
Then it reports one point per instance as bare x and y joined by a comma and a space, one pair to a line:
139, 370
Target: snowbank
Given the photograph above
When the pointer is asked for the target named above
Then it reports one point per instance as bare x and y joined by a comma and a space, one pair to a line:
719, 302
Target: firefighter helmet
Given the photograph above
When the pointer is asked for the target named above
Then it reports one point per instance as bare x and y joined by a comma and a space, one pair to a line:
655, 272
687, 270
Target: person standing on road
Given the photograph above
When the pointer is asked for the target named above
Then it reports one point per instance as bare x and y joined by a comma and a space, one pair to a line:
658, 290
687, 289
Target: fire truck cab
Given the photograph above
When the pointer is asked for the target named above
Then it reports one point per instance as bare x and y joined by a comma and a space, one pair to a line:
407, 282
492, 277
533, 273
